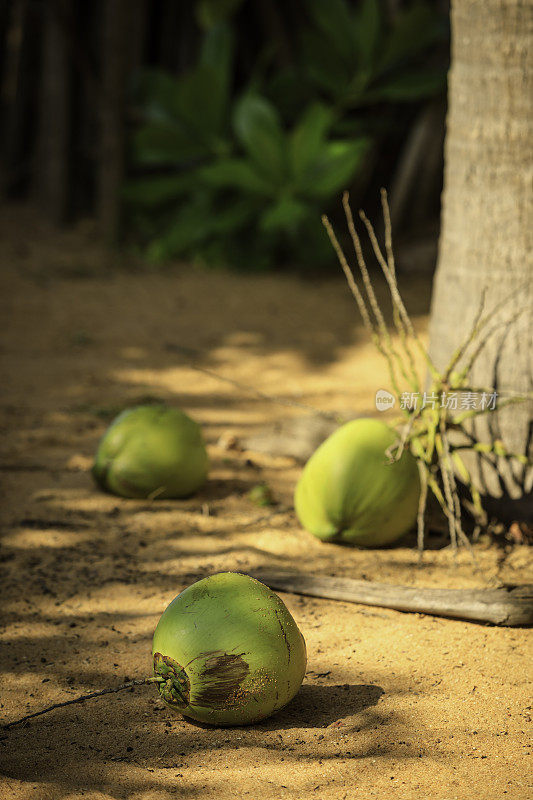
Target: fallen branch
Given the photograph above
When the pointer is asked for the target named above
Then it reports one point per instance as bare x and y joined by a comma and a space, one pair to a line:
509, 606
82, 698
245, 387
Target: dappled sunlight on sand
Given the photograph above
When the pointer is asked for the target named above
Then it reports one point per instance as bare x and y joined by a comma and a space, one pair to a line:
390, 700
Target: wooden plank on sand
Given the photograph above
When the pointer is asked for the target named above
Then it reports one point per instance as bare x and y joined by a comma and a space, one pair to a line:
509, 606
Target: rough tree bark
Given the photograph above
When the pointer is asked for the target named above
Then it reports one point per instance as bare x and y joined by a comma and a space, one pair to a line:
487, 223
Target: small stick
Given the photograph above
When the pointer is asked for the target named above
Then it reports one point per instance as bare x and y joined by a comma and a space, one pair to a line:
382, 326
374, 332
422, 502
330, 415
362, 266
506, 323
476, 412
81, 698
455, 493
396, 294
388, 232
348, 274
477, 327
467, 479
452, 522
393, 283
399, 444
458, 354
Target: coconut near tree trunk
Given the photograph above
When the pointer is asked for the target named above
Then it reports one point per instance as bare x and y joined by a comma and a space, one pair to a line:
487, 227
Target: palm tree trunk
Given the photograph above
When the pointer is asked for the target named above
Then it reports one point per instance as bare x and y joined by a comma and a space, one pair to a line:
487, 221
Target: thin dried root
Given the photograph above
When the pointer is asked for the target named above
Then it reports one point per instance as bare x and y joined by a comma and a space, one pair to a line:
425, 433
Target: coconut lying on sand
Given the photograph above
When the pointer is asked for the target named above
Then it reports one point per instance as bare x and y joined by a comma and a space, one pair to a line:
151, 451
350, 492
229, 651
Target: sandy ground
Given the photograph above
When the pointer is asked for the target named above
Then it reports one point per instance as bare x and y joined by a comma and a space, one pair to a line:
393, 705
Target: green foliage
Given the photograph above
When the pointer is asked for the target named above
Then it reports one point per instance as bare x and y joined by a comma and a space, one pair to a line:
212, 12
241, 176
187, 118
246, 191
261, 495
354, 58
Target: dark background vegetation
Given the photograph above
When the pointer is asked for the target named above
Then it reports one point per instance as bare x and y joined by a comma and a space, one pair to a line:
220, 130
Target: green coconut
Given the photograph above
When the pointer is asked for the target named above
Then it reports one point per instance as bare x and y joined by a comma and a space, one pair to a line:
229, 650
151, 451
348, 492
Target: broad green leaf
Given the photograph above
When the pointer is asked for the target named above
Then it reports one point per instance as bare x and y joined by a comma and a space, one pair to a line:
308, 137
324, 65
355, 127
157, 189
313, 245
335, 22
203, 103
210, 12
217, 54
236, 173
197, 221
290, 92
367, 29
259, 130
190, 226
355, 93
158, 93
412, 85
335, 168
165, 143
414, 30
232, 217
198, 100
285, 215
257, 74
